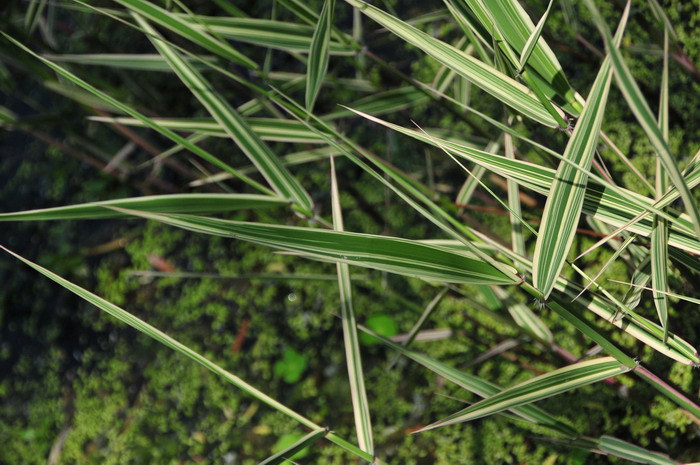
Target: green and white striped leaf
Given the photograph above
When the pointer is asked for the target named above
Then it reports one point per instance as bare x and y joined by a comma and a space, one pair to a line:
360, 404
524, 317
538, 388
487, 78
140, 325
279, 35
534, 38
235, 126
178, 25
563, 303
639, 106
119, 106
318, 54
515, 26
659, 232
515, 213
288, 452
143, 327
268, 129
389, 101
175, 203
138, 62
385, 253
565, 198
623, 449
476, 385
296, 158
606, 202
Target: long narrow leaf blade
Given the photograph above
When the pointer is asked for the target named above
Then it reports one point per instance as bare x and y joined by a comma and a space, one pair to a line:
608, 203
257, 151
639, 106
623, 449
140, 325
318, 54
283, 455
565, 200
538, 388
147, 121
360, 404
391, 254
487, 78
176, 203
181, 27
476, 385
279, 35
534, 37
268, 129
659, 232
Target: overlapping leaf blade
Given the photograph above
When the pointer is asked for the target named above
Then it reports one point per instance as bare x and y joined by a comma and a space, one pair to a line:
279, 35
639, 106
515, 26
360, 404
534, 38
608, 203
565, 198
288, 452
181, 27
392, 254
538, 388
487, 78
318, 53
175, 203
146, 120
235, 126
268, 129
659, 232
476, 385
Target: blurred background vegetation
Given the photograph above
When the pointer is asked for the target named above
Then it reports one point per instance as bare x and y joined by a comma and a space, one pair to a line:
76, 387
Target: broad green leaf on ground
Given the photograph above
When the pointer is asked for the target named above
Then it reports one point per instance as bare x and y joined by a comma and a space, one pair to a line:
268, 129
639, 106
175, 203
391, 254
487, 78
180, 26
538, 388
140, 325
235, 126
562, 210
318, 54
360, 404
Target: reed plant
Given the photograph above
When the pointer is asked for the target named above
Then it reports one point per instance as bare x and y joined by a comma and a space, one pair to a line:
293, 88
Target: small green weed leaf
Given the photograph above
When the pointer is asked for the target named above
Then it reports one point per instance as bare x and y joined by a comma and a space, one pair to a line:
291, 367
